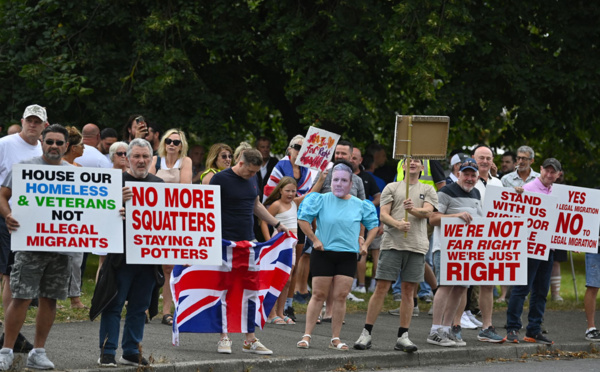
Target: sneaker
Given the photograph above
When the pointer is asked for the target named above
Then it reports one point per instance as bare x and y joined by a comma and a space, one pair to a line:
440, 338
430, 312
289, 312
490, 335
224, 346
6, 359
427, 298
301, 298
539, 338
107, 360
456, 335
21, 344
405, 344
256, 347
513, 336
415, 311
557, 298
134, 360
397, 297
353, 298
360, 289
37, 359
473, 318
372, 286
394, 312
466, 323
592, 335
364, 341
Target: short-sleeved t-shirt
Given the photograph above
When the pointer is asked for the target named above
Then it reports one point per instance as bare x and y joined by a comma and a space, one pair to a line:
238, 196
453, 199
371, 188
338, 220
480, 185
416, 238
14, 149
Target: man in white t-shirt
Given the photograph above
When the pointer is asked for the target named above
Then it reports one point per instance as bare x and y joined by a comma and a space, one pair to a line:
14, 149
91, 156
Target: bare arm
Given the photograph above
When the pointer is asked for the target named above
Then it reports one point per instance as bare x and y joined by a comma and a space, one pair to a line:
423, 212
5, 211
319, 184
185, 174
152, 169
207, 178
377, 199
308, 231
387, 218
261, 212
436, 217
264, 227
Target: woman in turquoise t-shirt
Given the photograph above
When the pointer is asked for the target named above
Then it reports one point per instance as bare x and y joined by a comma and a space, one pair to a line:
336, 247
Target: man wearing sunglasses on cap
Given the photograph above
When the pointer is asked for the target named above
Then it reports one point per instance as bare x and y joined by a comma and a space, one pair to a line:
43, 275
13, 149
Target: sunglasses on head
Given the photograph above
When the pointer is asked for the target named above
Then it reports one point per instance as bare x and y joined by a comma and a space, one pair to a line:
296, 147
168, 141
121, 153
50, 142
226, 156
469, 164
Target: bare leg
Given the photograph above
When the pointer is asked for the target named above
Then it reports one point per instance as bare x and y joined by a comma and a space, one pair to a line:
461, 308
341, 288
361, 269
14, 318
486, 304
101, 260
6, 293
320, 287
589, 302
406, 306
43, 321
452, 305
430, 277
375, 257
167, 295
303, 271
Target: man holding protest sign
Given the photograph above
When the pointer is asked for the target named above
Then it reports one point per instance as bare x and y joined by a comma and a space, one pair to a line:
43, 275
404, 256
239, 203
538, 272
460, 199
132, 283
13, 149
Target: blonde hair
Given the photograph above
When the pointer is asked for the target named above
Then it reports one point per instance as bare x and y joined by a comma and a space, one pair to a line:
162, 148
276, 193
238, 151
73, 139
213, 154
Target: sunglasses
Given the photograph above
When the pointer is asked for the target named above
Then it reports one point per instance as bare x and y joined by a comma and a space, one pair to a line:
296, 147
469, 164
50, 142
519, 158
121, 153
169, 141
225, 157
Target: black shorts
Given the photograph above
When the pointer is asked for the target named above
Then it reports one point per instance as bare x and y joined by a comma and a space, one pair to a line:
7, 257
329, 263
560, 255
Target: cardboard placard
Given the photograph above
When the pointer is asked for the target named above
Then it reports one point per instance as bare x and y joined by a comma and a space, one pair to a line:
173, 224
577, 220
428, 139
538, 209
67, 209
317, 149
485, 252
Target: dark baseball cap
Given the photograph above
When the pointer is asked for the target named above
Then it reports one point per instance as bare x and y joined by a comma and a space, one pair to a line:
551, 162
469, 163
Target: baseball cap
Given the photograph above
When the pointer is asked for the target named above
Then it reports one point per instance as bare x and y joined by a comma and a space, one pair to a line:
458, 158
469, 163
551, 162
36, 110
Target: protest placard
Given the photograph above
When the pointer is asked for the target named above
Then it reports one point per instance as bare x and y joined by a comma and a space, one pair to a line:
317, 149
485, 252
576, 227
67, 209
173, 224
538, 209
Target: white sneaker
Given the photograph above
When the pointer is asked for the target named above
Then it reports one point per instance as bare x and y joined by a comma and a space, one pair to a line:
256, 347
415, 311
372, 286
37, 359
405, 344
360, 289
364, 341
440, 338
224, 346
466, 323
352, 297
6, 359
474, 319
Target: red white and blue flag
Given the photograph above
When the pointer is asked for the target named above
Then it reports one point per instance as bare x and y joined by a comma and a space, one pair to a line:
235, 296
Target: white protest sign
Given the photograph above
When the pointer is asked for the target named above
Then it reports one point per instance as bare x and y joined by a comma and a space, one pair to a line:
317, 149
67, 209
485, 252
538, 209
576, 227
173, 224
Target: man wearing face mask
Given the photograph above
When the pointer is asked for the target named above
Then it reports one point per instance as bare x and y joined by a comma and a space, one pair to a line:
47, 272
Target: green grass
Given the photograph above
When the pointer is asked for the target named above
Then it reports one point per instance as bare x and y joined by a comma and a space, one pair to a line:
66, 314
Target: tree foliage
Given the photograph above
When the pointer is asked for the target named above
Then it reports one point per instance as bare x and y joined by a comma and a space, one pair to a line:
507, 74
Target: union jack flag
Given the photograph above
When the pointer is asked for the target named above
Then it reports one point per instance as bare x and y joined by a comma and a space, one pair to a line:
236, 296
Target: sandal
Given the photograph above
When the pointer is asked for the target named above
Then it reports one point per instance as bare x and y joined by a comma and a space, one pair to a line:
304, 344
340, 346
319, 320
167, 319
277, 320
288, 320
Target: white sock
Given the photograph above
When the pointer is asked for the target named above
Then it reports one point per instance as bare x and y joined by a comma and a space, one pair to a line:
6, 348
446, 329
589, 330
434, 328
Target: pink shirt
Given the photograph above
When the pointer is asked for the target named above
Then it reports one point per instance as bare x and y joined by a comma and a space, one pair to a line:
537, 186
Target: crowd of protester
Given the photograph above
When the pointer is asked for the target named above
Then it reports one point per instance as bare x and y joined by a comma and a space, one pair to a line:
349, 212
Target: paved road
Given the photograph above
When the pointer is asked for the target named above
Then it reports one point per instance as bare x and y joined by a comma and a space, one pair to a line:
74, 346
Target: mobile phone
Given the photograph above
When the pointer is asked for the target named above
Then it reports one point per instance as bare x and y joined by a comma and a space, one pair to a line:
139, 119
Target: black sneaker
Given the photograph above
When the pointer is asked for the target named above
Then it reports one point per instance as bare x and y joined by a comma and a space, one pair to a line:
289, 312
107, 360
21, 344
134, 360
539, 338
